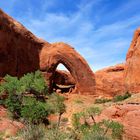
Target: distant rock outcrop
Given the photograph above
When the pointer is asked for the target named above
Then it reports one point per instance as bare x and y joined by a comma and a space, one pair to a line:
132, 71
110, 81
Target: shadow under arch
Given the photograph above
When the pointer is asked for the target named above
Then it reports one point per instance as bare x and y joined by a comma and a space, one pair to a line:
51, 57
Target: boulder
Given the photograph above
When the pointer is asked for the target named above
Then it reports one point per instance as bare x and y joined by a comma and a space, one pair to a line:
110, 81
132, 71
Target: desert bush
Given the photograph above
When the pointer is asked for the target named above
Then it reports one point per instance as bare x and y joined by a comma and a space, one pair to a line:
103, 130
56, 104
33, 132
78, 101
34, 111
57, 134
16, 89
121, 97
102, 100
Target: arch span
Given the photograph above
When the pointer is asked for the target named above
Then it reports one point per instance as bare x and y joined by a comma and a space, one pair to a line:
50, 57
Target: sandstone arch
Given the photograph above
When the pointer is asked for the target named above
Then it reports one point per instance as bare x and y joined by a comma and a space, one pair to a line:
50, 57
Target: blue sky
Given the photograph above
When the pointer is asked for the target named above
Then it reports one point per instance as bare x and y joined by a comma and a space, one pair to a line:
100, 30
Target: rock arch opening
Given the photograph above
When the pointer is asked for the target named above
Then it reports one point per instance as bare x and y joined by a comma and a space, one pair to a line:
61, 53
62, 80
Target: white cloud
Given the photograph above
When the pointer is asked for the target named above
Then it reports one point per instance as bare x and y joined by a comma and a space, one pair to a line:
102, 46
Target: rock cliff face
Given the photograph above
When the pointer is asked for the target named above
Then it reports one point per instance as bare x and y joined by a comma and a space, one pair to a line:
22, 52
132, 72
19, 48
110, 81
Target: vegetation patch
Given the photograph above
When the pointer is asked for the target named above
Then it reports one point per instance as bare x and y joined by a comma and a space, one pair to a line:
27, 99
102, 100
121, 97
116, 98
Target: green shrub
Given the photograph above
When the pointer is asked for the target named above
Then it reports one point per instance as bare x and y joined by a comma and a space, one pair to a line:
115, 127
92, 136
103, 130
34, 111
121, 97
57, 134
78, 102
16, 89
102, 100
56, 104
33, 132
64, 120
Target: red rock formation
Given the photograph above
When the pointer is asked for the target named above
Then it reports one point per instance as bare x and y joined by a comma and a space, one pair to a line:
62, 77
50, 57
19, 48
8, 126
132, 72
22, 52
128, 115
110, 81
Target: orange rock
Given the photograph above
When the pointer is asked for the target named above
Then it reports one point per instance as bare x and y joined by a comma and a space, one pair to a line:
110, 81
63, 53
62, 77
8, 126
128, 115
132, 72
19, 48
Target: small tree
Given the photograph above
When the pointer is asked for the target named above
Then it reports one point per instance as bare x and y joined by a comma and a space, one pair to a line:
16, 89
93, 111
56, 102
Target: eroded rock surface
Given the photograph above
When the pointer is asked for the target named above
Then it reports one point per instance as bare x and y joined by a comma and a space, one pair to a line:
132, 72
7, 126
128, 115
19, 48
110, 81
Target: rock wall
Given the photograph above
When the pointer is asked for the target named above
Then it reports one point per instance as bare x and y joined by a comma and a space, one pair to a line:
110, 81
19, 48
132, 72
